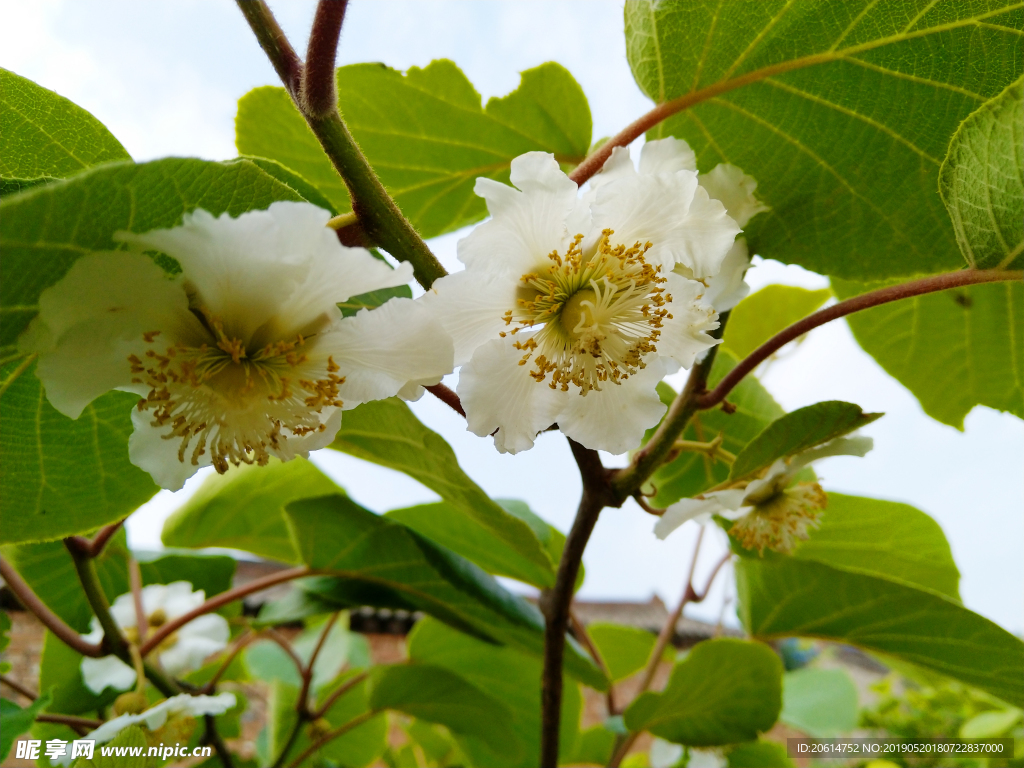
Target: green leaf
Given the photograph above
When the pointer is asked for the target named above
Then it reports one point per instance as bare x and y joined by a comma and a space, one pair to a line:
377, 561
842, 112
763, 314
820, 702
60, 671
62, 477
434, 694
799, 431
387, 433
132, 737
373, 299
425, 133
724, 691
953, 349
14, 186
287, 176
244, 509
509, 676
594, 747
691, 472
5, 640
442, 523
759, 754
990, 725
625, 650
211, 573
783, 596
363, 744
886, 539
14, 721
43, 134
982, 182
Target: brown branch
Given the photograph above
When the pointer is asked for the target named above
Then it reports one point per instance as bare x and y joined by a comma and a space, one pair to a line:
135, 580
14, 685
50, 620
307, 673
215, 602
213, 737
274, 43
448, 397
95, 547
849, 306
317, 91
237, 648
597, 494
80, 722
337, 693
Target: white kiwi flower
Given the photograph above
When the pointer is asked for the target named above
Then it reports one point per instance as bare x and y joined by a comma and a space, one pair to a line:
569, 310
182, 651
770, 511
244, 354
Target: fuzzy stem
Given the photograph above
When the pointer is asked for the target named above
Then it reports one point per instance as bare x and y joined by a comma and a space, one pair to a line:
274, 43
49, 619
317, 91
448, 397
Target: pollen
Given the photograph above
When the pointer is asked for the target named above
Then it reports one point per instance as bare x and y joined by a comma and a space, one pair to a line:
591, 317
781, 519
241, 404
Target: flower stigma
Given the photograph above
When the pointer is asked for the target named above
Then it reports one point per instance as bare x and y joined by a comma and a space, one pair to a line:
240, 399
600, 313
780, 516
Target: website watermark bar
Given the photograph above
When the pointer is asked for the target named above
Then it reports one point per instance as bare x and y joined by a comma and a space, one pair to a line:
839, 748
63, 752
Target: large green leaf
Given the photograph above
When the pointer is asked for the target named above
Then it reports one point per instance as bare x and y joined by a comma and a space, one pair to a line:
883, 538
445, 525
425, 133
62, 477
15, 720
820, 702
692, 472
512, 678
43, 134
799, 431
841, 111
377, 561
439, 696
723, 692
783, 596
763, 314
982, 182
953, 350
624, 650
387, 433
244, 509
60, 671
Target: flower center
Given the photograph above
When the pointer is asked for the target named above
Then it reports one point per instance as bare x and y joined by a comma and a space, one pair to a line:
242, 403
155, 620
596, 315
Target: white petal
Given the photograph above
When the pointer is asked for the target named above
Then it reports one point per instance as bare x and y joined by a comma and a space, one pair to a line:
93, 319
614, 419
197, 640
619, 165
525, 226
667, 156
735, 190
156, 716
178, 598
685, 335
148, 451
471, 305
727, 288
774, 472
210, 626
380, 350
498, 394
684, 510
107, 672
854, 445
123, 610
301, 445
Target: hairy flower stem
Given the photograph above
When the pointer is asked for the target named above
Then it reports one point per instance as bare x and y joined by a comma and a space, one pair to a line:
555, 604
113, 641
378, 214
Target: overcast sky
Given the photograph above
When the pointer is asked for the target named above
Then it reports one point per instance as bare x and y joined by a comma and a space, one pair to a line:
165, 77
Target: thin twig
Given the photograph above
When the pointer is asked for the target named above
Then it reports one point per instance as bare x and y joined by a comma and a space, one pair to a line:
307, 675
597, 494
448, 397
135, 580
318, 93
213, 737
274, 43
215, 602
81, 722
278, 638
95, 546
14, 685
856, 304
584, 637
236, 649
49, 619
340, 731
337, 693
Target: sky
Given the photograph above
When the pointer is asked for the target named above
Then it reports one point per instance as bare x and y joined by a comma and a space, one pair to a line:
165, 79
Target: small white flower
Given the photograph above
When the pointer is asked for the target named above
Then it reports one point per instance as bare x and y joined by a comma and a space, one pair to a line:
245, 354
568, 310
183, 651
770, 512
156, 716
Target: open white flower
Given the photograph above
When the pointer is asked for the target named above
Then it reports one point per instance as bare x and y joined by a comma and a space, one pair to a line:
770, 511
568, 310
183, 651
243, 355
